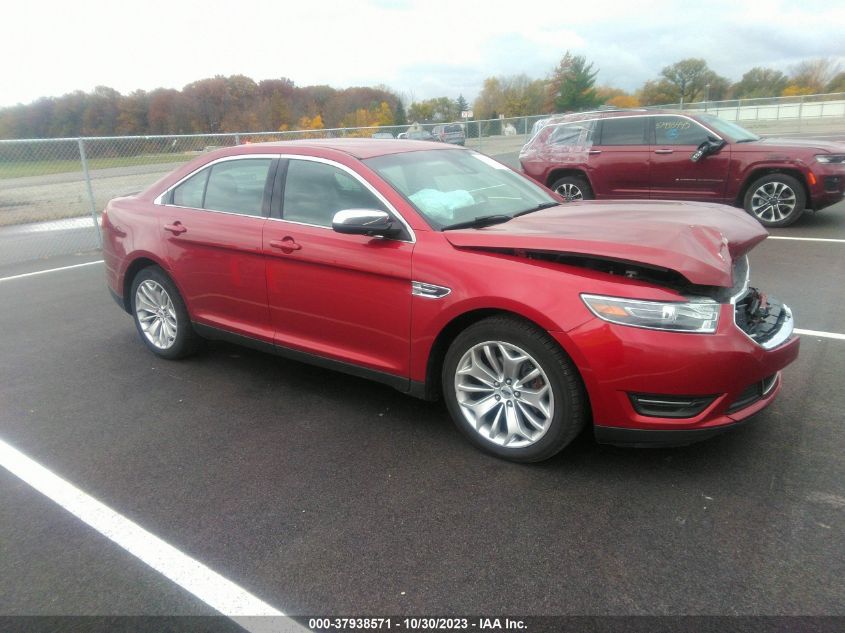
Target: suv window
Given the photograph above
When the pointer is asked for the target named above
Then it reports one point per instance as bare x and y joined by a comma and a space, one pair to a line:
675, 130
314, 192
623, 131
234, 186
579, 133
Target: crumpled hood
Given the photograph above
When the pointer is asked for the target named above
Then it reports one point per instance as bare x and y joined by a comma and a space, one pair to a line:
697, 240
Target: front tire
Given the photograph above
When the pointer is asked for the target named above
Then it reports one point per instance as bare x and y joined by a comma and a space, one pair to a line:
775, 200
573, 188
512, 391
160, 315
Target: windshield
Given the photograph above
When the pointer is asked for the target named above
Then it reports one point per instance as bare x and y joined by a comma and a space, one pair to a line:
453, 186
728, 128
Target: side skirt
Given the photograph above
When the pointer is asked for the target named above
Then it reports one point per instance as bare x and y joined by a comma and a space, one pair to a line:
400, 383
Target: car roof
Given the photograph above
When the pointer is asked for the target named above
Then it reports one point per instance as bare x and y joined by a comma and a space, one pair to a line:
358, 147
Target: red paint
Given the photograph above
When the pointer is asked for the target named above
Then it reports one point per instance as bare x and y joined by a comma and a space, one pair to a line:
665, 172
348, 297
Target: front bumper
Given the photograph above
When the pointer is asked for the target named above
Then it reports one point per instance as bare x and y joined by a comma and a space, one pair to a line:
723, 369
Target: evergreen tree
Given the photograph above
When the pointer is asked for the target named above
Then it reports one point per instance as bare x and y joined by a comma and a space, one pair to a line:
572, 84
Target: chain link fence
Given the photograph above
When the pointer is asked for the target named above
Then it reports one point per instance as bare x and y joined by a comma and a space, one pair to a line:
52, 190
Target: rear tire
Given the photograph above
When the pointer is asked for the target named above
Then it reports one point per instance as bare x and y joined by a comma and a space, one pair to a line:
512, 391
160, 315
775, 200
573, 188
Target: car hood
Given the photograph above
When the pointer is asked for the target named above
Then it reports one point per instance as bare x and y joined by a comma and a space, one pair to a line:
787, 144
696, 240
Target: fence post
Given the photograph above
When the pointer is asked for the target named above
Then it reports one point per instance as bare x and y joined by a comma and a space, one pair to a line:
237, 139
800, 111
479, 135
93, 204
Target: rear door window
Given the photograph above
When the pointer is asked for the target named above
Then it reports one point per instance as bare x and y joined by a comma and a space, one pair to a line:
237, 186
623, 131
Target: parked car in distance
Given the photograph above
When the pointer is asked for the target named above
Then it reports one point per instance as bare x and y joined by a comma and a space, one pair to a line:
671, 155
416, 135
382, 135
445, 274
450, 133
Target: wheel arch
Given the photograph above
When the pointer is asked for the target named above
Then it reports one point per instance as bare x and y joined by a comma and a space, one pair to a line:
560, 172
459, 323
760, 171
135, 266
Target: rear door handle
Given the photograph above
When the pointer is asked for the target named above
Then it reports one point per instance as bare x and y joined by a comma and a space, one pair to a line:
594, 151
663, 151
286, 244
176, 228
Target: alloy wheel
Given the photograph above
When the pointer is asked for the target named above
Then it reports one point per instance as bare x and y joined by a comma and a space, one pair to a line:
773, 201
570, 192
156, 314
504, 394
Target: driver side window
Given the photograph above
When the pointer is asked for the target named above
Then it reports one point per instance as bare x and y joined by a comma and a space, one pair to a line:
315, 191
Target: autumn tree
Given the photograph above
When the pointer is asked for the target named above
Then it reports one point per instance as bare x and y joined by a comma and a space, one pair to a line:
759, 82
812, 76
571, 85
837, 84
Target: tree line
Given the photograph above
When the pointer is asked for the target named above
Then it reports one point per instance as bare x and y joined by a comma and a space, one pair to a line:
239, 104
217, 104
570, 87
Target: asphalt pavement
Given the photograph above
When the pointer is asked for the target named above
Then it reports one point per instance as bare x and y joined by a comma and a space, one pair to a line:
322, 493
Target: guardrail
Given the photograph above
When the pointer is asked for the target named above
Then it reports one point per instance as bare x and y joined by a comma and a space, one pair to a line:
795, 108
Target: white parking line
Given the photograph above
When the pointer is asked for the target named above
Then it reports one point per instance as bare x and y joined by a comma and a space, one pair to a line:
213, 589
833, 335
50, 270
806, 239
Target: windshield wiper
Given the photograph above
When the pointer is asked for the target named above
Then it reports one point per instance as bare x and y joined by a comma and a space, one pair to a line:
484, 220
539, 207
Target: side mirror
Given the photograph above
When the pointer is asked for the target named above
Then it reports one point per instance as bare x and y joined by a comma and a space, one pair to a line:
363, 222
710, 146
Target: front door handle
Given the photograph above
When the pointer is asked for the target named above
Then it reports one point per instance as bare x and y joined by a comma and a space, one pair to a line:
286, 244
593, 152
176, 228
663, 151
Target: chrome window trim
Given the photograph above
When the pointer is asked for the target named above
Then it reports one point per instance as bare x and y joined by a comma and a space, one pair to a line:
159, 199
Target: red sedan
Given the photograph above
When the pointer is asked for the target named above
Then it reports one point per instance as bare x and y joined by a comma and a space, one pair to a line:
445, 274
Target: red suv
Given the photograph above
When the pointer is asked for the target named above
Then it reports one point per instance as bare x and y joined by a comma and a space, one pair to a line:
443, 273
671, 155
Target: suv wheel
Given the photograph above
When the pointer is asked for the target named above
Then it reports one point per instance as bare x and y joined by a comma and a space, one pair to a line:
160, 315
775, 200
572, 188
512, 390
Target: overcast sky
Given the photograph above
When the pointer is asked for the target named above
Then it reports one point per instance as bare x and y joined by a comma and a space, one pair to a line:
421, 49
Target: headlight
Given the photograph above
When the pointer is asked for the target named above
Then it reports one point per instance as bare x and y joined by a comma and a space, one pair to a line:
698, 317
830, 158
